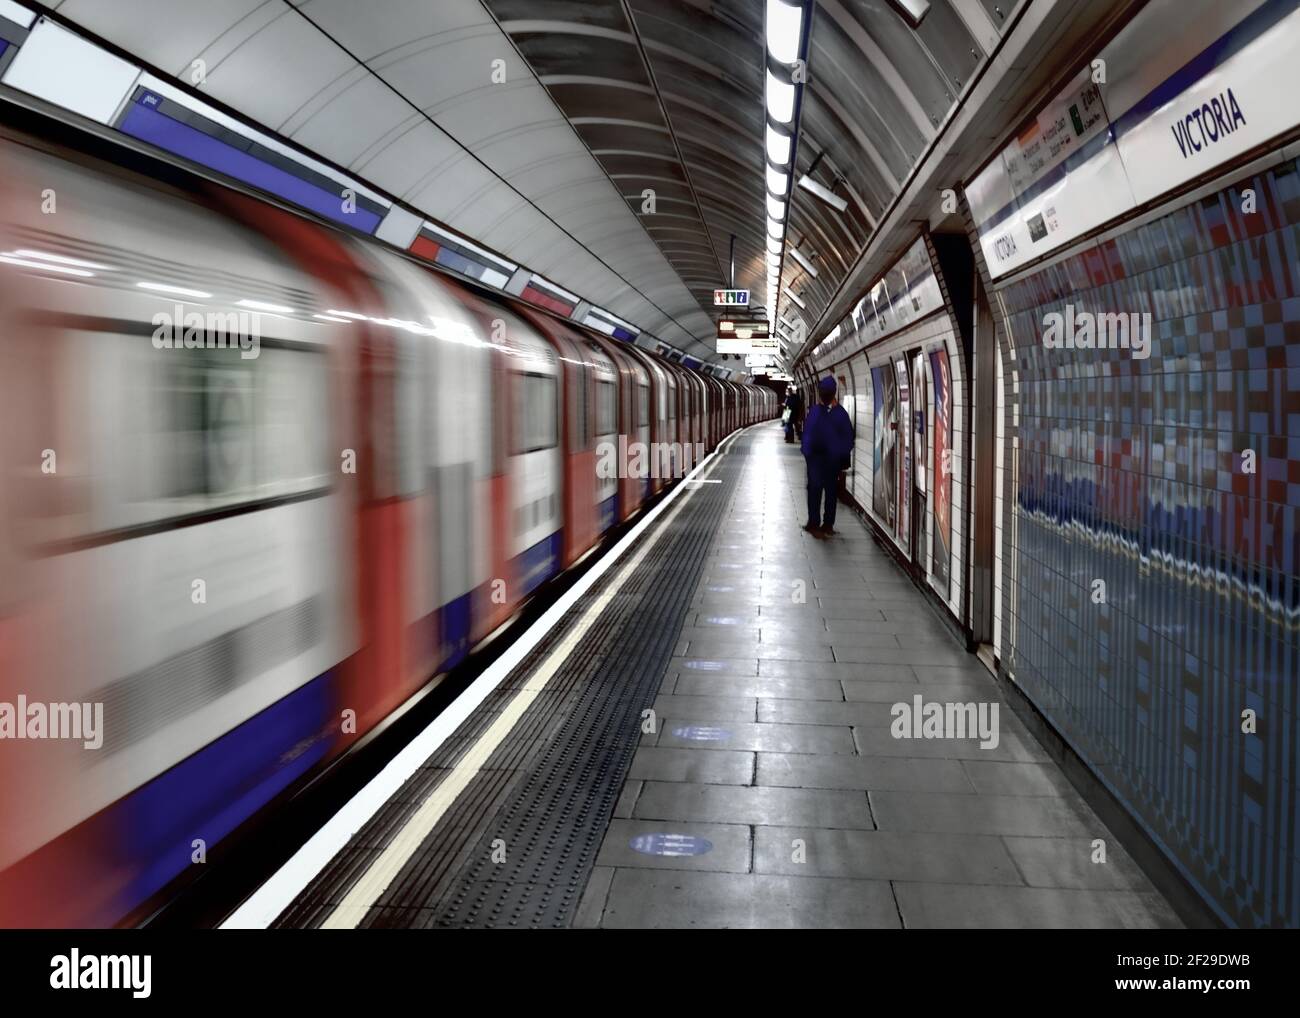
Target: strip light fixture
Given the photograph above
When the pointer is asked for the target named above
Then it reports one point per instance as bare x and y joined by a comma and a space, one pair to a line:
787, 34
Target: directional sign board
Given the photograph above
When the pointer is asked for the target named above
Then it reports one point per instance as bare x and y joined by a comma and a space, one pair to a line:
731, 298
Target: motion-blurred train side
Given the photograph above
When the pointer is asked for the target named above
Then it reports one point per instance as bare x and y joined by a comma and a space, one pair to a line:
251, 561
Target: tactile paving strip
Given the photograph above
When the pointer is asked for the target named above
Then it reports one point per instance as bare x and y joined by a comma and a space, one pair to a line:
546, 794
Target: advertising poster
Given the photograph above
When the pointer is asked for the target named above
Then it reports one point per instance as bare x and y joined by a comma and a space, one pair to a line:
941, 557
904, 451
883, 496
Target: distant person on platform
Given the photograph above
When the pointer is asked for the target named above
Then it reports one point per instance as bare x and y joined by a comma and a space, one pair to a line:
791, 406
797, 416
827, 445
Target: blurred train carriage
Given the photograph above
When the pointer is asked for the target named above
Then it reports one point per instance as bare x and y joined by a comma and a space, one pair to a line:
229, 552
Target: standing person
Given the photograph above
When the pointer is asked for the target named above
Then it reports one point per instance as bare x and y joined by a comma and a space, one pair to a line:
791, 408
797, 416
827, 444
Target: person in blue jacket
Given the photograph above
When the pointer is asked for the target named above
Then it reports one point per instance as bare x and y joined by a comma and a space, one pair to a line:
827, 446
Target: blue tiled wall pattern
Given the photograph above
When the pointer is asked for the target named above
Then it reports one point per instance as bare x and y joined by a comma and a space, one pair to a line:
1132, 472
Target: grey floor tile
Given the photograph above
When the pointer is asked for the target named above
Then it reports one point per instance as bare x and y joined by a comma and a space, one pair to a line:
800, 633
996, 777
644, 899
851, 626
627, 799
706, 766
768, 806
903, 692
748, 633
931, 906
833, 609
868, 640
788, 689
970, 670
795, 650
691, 665
814, 712
772, 668
759, 738
1077, 862
691, 846
706, 708
941, 813
857, 772
883, 855
718, 620
721, 647
592, 903
924, 653
873, 741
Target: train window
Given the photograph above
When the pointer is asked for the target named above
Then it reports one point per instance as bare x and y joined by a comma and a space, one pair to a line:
605, 407
208, 402
175, 435
535, 413
292, 436
643, 407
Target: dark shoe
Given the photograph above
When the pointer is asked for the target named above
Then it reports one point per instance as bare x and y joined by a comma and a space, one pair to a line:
828, 531
815, 531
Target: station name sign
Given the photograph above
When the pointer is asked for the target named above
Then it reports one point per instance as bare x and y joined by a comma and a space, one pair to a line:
731, 298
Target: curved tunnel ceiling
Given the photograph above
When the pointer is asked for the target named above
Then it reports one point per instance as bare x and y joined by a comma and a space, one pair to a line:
603, 100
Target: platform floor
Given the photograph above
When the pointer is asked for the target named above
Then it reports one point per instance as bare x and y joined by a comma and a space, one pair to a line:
770, 792
774, 735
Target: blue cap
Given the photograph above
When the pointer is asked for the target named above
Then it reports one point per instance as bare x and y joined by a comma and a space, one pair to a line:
826, 386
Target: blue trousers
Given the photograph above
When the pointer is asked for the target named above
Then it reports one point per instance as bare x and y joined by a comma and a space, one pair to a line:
823, 486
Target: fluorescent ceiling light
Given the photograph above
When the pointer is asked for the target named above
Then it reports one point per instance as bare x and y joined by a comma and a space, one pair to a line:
773, 259
773, 245
780, 99
778, 146
180, 291
775, 229
775, 208
795, 297
824, 193
784, 26
261, 305
808, 266
25, 263
777, 182
911, 11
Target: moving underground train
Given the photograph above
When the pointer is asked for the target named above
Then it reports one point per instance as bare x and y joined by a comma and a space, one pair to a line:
260, 482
